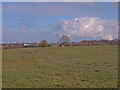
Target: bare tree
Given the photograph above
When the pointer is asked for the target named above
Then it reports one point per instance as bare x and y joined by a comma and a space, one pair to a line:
65, 38
10, 45
35, 44
43, 43
6, 46
18, 45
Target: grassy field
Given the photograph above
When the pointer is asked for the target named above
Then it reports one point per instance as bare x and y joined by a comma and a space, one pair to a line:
61, 67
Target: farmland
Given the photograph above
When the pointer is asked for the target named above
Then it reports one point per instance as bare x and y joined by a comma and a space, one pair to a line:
60, 67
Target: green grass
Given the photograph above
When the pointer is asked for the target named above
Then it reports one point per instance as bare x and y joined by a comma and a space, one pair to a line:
62, 67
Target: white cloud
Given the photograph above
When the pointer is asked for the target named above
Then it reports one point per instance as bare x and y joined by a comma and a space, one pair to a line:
89, 27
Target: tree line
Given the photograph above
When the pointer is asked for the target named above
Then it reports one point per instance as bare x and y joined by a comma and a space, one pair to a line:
65, 42
10, 45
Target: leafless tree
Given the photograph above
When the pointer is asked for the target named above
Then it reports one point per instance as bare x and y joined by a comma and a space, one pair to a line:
35, 44
43, 43
65, 38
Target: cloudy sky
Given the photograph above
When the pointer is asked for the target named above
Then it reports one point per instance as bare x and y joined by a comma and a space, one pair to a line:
37, 21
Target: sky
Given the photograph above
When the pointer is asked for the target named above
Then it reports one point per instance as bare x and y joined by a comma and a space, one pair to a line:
60, 0
35, 21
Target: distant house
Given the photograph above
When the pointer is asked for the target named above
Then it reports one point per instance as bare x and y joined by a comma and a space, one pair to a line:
26, 44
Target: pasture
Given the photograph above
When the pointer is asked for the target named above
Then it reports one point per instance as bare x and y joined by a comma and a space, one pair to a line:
60, 67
